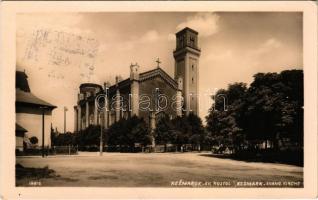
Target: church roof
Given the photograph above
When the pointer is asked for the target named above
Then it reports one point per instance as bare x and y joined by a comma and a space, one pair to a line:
21, 81
146, 76
158, 72
19, 128
31, 99
23, 92
120, 84
83, 85
186, 29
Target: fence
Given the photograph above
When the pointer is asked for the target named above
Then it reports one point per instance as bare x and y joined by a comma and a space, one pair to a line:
73, 150
54, 150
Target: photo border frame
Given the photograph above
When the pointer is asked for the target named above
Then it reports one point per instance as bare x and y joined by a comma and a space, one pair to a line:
9, 9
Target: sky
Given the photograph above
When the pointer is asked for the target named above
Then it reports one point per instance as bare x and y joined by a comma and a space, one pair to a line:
59, 51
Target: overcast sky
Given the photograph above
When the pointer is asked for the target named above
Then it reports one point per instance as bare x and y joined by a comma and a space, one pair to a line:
95, 47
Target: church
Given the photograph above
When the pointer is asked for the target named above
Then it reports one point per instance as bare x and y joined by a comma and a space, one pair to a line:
149, 94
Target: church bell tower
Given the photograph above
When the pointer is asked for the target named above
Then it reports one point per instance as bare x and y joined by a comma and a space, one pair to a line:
186, 57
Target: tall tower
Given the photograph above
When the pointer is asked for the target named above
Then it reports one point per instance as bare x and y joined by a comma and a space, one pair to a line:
186, 57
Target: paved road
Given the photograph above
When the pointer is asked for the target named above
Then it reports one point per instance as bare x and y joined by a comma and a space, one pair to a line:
160, 170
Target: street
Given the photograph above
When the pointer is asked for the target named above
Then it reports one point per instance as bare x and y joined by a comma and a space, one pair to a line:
159, 170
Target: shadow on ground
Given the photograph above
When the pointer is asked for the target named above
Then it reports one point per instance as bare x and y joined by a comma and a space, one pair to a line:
33, 173
284, 159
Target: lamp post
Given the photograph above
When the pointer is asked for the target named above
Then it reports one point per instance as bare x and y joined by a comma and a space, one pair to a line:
102, 109
65, 110
43, 113
101, 135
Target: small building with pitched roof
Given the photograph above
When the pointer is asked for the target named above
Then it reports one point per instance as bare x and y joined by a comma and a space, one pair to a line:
30, 111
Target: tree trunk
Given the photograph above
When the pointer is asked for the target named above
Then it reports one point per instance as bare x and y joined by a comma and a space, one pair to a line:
276, 141
266, 144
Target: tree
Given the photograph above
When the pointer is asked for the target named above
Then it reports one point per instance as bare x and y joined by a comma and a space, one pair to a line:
34, 140
64, 139
276, 106
128, 132
163, 131
227, 116
53, 136
270, 109
84, 138
137, 131
181, 132
196, 133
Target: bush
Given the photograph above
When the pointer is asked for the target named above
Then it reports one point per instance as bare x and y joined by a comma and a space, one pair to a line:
127, 132
34, 140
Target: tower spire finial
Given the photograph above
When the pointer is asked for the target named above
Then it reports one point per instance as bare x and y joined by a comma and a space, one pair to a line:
158, 62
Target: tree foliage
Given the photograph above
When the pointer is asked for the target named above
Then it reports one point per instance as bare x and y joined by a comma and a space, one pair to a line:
34, 140
127, 132
180, 130
90, 136
271, 108
164, 130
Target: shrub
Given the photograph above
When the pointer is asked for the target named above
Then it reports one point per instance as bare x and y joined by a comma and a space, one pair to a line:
34, 140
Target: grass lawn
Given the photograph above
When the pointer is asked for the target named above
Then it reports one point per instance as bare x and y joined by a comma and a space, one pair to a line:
154, 170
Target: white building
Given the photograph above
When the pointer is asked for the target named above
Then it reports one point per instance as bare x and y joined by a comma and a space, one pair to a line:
31, 114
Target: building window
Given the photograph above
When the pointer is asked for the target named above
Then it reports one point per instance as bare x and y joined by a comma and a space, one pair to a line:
192, 80
181, 42
192, 67
192, 40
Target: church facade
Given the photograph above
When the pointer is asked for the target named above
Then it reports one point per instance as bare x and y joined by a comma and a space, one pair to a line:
149, 95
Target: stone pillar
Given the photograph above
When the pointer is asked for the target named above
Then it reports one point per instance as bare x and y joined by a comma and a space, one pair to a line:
106, 114
134, 89
179, 97
135, 98
152, 124
79, 118
117, 110
87, 114
75, 119
106, 106
95, 113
